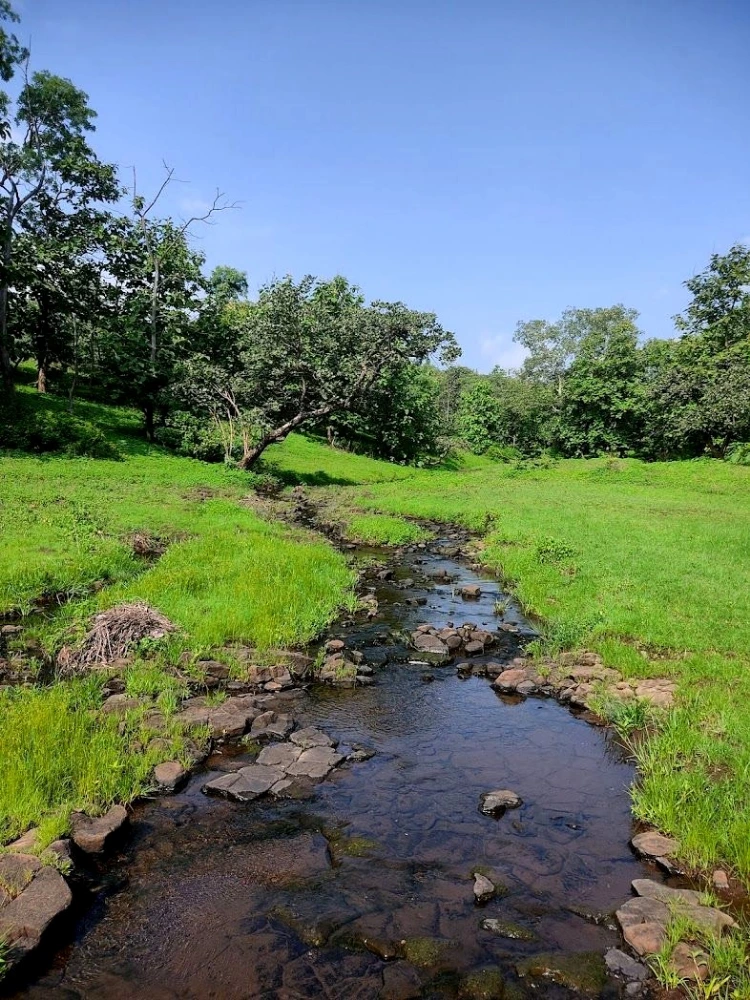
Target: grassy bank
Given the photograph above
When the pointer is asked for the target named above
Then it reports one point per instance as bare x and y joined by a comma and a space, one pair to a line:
72, 531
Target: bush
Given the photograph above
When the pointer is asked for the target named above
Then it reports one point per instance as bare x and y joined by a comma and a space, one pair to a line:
54, 431
739, 453
190, 436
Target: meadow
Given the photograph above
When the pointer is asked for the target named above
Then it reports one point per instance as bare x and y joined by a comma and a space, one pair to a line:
646, 563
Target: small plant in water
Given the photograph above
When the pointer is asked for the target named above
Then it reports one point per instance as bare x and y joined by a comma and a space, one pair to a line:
501, 606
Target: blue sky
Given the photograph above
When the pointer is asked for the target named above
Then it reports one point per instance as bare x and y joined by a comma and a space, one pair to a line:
490, 161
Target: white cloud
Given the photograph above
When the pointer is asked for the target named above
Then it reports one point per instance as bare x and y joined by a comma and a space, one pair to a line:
499, 349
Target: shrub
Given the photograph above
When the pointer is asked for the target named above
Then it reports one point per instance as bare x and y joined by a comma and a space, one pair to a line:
739, 453
553, 551
190, 436
54, 431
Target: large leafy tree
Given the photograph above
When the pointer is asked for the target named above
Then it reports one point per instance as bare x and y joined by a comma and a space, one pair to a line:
306, 350
48, 171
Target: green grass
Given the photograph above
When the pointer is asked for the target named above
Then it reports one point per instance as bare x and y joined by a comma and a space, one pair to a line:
647, 563
650, 565
383, 529
227, 576
58, 754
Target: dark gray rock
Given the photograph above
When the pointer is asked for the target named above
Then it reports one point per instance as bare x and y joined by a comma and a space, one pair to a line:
495, 803
93, 834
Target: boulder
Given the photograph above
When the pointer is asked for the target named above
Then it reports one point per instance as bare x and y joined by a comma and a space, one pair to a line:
25, 842
24, 919
474, 648
509, 680
16, 871
471, 591
119, 704
170, 776
92, 834
425, 642
495, 803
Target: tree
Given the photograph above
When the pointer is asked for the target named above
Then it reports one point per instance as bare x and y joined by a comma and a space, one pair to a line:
308, 349
551, 348
720, 307
47, 172
155, 294
598, 411
480, 417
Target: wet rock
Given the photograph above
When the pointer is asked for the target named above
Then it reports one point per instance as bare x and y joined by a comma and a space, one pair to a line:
495, 803
385, 574
653, 845
484, 888
620, 964
364, 670
25, 918
425, 642
387, 951
509, 680
245, 785
359, 754
335, 645
311, 737
61, 848
526, 688
471, 591
689, 962
720, 880
485, 984
494, 669
473, 648
507, 929
400, 982
93, 834
584, 971
315, 763
270, 726
170, 775
281, 755
643, 923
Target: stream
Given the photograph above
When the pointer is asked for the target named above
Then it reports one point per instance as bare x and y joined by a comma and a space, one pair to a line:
364, 890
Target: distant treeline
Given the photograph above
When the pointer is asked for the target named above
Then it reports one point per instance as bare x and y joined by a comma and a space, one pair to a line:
111, 301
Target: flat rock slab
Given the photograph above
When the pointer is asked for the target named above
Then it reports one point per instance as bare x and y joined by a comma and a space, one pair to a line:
268, 725
92, 833
495, 803
246, 784
312, 737
620, 964
427, 643
24, 919
686, 902
689, 962
315, 763
654, 845
281, 755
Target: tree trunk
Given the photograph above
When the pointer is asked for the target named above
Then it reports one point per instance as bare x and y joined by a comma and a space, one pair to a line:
6, 365
41, 374
284, 430
155, 310
148, 418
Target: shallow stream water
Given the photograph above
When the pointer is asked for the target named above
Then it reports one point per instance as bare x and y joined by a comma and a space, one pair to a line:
213, 899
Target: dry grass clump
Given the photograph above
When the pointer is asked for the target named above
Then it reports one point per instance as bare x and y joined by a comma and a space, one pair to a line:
112, 636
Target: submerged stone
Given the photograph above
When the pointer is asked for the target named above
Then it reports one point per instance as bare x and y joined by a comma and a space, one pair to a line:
620, 964
484, 888
584, 971
507, 929
246, 784
495, 803
486, 984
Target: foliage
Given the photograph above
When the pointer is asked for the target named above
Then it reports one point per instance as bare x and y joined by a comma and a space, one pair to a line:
48, 430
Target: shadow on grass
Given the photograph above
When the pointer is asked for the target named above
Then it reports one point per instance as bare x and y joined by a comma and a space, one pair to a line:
317, 478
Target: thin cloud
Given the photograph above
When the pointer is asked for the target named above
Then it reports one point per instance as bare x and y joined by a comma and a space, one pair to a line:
499, 350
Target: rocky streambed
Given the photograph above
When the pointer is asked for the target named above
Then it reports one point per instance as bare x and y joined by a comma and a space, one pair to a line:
415, 826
